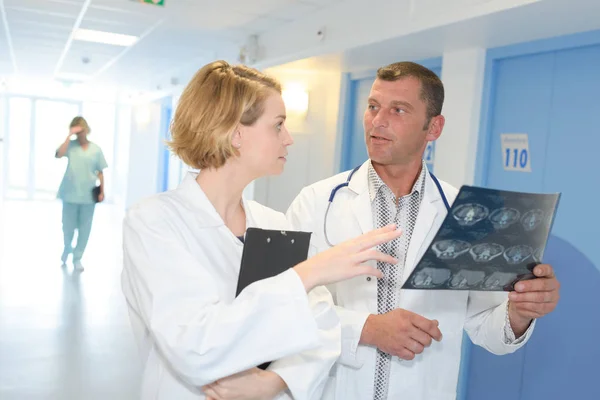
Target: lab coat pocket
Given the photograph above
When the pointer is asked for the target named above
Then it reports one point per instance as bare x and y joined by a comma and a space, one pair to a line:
333, 389
442, 356
329, 391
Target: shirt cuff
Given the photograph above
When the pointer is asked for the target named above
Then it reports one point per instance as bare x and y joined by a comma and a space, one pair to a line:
509, 334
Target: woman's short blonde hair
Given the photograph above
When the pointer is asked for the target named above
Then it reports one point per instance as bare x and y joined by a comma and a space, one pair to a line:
80, 122
217, 99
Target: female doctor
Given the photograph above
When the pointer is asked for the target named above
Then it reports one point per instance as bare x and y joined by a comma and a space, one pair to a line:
182, 252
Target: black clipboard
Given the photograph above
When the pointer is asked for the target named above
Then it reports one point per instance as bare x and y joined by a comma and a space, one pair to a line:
268, 253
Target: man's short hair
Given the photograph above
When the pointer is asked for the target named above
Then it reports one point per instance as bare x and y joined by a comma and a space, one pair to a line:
432, 88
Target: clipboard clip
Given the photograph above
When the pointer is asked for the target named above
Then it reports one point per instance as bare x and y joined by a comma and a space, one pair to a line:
283, 233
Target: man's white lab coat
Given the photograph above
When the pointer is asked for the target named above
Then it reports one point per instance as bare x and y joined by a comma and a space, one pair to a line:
432, 375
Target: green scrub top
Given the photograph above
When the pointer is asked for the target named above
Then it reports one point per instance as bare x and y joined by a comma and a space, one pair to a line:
82, 173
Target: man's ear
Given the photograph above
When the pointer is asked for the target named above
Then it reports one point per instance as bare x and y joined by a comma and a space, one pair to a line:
436, 125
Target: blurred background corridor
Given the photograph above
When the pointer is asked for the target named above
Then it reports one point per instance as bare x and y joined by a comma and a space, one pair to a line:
525, 67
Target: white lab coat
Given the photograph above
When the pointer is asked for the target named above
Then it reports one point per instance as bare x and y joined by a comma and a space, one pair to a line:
181, 266
432, 375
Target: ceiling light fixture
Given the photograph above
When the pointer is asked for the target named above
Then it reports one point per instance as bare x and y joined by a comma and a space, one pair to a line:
116, 39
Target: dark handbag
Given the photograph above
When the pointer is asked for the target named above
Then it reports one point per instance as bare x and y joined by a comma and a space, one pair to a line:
96, 193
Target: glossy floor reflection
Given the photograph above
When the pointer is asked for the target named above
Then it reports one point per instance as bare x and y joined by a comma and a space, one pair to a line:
63, 334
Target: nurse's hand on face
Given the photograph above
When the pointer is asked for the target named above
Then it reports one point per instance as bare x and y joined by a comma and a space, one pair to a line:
347, 259
533, 298
400, 333
254, 384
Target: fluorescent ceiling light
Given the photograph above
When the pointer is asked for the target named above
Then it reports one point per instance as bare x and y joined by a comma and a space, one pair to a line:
116, 39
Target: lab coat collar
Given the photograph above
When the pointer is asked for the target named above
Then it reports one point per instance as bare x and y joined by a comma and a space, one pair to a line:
432, 194
360, 180
196, 201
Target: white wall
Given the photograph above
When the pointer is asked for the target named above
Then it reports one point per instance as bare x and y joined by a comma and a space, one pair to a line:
352, 23
177, 168
142, 176
122, 138
3, 123
311, 157
456, 150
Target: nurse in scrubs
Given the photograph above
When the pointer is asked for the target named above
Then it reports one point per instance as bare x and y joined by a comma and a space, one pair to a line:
183, 248
84, 170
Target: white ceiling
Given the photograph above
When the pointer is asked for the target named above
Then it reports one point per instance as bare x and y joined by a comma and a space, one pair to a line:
419, 29
541, 20
35, 36
185, 34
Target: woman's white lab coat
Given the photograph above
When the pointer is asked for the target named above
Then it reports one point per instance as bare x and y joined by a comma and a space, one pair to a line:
180, 274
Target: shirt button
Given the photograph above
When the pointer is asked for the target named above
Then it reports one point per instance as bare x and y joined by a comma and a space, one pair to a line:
368, 279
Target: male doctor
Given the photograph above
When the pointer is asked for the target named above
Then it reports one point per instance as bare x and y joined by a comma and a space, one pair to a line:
406, 344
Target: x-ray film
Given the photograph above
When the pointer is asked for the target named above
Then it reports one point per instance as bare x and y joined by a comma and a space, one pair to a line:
490, 240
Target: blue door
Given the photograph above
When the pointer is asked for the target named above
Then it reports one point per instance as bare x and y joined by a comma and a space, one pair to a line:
553, 97
354, 149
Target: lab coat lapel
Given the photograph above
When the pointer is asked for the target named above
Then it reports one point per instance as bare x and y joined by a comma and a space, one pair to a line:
361, 208
361, 204
426, 226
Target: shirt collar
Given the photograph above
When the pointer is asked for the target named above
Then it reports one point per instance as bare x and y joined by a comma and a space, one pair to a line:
376, 184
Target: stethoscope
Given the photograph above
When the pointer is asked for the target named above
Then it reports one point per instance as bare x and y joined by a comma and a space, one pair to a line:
345, 184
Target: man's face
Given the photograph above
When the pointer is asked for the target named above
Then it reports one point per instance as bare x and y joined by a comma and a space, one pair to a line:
395, 122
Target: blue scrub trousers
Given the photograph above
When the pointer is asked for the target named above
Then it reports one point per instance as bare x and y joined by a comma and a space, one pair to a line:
76, 217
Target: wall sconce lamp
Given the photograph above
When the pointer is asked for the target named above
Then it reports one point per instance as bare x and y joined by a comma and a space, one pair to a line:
295, 98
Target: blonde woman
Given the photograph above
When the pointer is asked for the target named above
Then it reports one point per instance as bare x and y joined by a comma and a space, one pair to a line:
84, 170
182, 252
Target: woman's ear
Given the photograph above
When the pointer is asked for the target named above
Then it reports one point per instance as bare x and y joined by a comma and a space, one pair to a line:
236, 138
